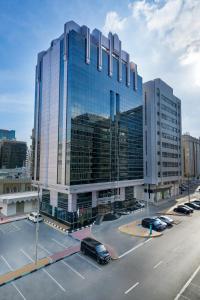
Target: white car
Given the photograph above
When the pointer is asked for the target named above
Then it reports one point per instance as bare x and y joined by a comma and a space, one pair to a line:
34, 216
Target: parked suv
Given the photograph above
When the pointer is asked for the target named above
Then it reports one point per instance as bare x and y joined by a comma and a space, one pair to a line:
95, 249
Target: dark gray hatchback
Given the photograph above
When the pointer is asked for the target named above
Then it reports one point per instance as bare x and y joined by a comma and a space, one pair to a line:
95, 249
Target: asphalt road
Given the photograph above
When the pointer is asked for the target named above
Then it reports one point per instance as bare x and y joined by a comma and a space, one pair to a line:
152, 269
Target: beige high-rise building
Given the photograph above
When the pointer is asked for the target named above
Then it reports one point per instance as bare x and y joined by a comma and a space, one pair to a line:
191, 156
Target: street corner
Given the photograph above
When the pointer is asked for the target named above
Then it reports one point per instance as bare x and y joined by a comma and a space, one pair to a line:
80, 234
135, 229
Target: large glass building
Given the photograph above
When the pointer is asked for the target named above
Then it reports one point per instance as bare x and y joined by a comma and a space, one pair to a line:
88, 128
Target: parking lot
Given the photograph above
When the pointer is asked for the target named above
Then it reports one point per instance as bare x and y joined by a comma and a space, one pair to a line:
80, 276
17, 248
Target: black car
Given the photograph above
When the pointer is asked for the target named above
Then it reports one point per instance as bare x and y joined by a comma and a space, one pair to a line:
167, 220
96, 250
192, 205
157, 224
196, 202
188, 207
182, 209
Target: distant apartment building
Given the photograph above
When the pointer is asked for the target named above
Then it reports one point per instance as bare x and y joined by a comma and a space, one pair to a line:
12, 154
7, 134
17, 196
88, 128
162, 141
191, 156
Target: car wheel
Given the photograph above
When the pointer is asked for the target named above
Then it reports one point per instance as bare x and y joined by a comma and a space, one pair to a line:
83, 251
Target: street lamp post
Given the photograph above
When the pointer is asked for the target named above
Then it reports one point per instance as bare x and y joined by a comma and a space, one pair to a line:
188, 189
37, 227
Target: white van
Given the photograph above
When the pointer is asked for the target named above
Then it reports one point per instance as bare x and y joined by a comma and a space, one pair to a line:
34, 216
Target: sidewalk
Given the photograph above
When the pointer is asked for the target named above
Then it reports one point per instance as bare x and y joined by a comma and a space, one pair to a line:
55, 223
32, 267
4, 219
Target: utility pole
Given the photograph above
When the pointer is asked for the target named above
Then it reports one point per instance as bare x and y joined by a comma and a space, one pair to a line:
188, 189
37, 227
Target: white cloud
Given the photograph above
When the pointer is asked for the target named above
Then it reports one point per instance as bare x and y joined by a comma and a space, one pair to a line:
114, 23
176, 23
163, 38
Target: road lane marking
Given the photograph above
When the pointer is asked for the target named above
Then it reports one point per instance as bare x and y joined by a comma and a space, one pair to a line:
134, 248
76, 272
131, 250
13, 284
158, 264
60, 244
131, 288
148, 240
88, 261
45, 271
187, 283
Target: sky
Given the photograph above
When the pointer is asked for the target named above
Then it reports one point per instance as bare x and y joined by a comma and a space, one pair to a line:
162, 37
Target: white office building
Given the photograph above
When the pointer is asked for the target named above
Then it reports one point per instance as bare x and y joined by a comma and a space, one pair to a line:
162, 141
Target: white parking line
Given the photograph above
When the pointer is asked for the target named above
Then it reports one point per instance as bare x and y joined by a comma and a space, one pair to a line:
88, 261
59, 243
158, 264
14, 225
76, 272
29, 223
18, 291
7, 263
13, 284
44, 249
131, 288
187, 283
45, 271
61, 287
63, 262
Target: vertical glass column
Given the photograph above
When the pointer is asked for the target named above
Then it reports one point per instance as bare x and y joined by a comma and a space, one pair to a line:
60, 114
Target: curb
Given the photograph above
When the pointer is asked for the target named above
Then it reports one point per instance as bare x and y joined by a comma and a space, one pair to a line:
56, 226
49, 262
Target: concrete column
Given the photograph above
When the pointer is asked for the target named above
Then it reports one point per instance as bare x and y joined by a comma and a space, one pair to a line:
72, 201
94, 198
122, 193
53, 198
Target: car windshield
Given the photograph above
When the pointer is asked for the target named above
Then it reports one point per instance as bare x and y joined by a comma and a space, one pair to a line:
101, 248
156, 222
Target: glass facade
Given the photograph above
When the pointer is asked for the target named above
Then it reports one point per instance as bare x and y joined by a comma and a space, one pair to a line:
60, 116
104, 119
12, 154
7, 134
